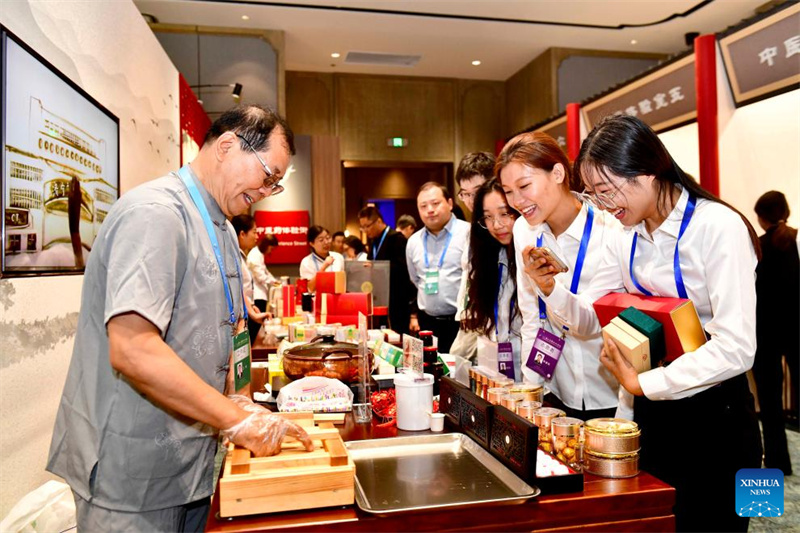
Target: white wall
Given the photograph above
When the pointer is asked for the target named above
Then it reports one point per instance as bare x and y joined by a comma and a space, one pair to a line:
106, 48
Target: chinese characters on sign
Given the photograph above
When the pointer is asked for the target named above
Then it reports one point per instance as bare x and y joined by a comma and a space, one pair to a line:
291, 230
763, 58
663, 99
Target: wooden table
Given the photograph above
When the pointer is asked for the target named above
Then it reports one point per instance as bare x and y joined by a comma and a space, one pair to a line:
642, 503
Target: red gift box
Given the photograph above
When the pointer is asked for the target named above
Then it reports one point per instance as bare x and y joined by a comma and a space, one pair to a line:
331, 282
351, 303
683, 331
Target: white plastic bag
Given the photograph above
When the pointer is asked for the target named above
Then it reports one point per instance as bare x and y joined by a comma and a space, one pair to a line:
49, 508
315, 393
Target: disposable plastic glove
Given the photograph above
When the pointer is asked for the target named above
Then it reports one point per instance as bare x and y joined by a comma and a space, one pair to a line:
246, 403
263, 432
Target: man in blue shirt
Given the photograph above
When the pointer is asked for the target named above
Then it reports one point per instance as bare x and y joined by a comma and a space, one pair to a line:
433, 256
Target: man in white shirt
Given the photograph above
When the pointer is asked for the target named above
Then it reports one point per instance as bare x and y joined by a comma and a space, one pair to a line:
475, 169
433, 256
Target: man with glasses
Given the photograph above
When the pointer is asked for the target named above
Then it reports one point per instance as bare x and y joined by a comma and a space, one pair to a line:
161, 325
475, 169
386, 244
433, 256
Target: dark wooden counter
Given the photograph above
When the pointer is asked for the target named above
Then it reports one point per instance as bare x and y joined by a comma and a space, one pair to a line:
642, 503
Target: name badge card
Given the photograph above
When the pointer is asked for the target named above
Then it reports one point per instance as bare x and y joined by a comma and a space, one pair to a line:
544, 355
432, 281
505, 359
241, 359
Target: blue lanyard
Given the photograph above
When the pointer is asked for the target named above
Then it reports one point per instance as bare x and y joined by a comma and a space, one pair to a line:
497, 303
376, 249
582, 250
316, 261
201, 206
676, 261
425, 249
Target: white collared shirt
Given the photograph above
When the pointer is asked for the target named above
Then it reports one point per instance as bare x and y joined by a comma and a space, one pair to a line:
580, 380
311, 264
718, 264
262, 278
445, 302
508, 332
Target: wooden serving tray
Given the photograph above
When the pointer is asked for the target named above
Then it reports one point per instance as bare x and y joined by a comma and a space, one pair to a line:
294, 479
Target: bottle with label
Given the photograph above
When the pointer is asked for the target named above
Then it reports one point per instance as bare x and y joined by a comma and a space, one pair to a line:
431, 363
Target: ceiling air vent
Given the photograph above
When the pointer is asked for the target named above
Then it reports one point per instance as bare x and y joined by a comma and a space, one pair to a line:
389, 60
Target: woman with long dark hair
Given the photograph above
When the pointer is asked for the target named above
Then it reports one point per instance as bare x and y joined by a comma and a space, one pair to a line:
696, 414
537, 178
777, 314
492, 309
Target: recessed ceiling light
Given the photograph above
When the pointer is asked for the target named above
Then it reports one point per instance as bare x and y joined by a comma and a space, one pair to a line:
336, 55
634, 41
245, 17
476, 62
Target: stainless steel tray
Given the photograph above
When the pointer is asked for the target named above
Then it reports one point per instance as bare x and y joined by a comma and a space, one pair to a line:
431, 472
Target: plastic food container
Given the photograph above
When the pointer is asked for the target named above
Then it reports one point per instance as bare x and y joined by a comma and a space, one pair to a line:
414, 401
612, 466
511, 400
567, 440
526, 409
496, 394
612, 436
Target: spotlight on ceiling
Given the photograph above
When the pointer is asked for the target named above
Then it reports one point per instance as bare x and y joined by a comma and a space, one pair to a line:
476, 62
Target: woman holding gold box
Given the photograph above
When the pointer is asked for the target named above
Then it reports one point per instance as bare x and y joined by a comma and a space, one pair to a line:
696, 414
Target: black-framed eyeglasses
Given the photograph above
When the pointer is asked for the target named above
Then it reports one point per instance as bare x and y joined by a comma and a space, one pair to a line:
465, 195
271, 181
502, 219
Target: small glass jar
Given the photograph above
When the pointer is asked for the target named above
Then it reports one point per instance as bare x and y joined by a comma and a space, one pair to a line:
495, 395
543, 417
510, 400
567, 440
612, 436
525, 409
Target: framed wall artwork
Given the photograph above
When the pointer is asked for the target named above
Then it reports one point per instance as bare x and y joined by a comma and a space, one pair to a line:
60, 165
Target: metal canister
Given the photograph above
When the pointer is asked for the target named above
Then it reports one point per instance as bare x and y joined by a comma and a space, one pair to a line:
613, 466
533, 393
612, 436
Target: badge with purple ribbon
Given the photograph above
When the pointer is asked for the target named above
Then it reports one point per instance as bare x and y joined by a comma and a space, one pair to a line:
545, 353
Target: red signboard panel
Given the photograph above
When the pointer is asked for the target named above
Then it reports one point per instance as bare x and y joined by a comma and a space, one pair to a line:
291, 230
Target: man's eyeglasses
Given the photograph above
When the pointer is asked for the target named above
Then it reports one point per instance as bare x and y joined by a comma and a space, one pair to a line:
502, 219
365, 227
604, 200
270, 182
465, 196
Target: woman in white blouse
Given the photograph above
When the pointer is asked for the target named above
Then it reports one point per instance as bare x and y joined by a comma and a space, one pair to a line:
492, 309
696, 414
321, 258
536, 177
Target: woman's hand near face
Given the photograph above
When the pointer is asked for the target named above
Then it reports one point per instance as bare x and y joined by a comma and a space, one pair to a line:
616, 363
326, 264
539, 270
